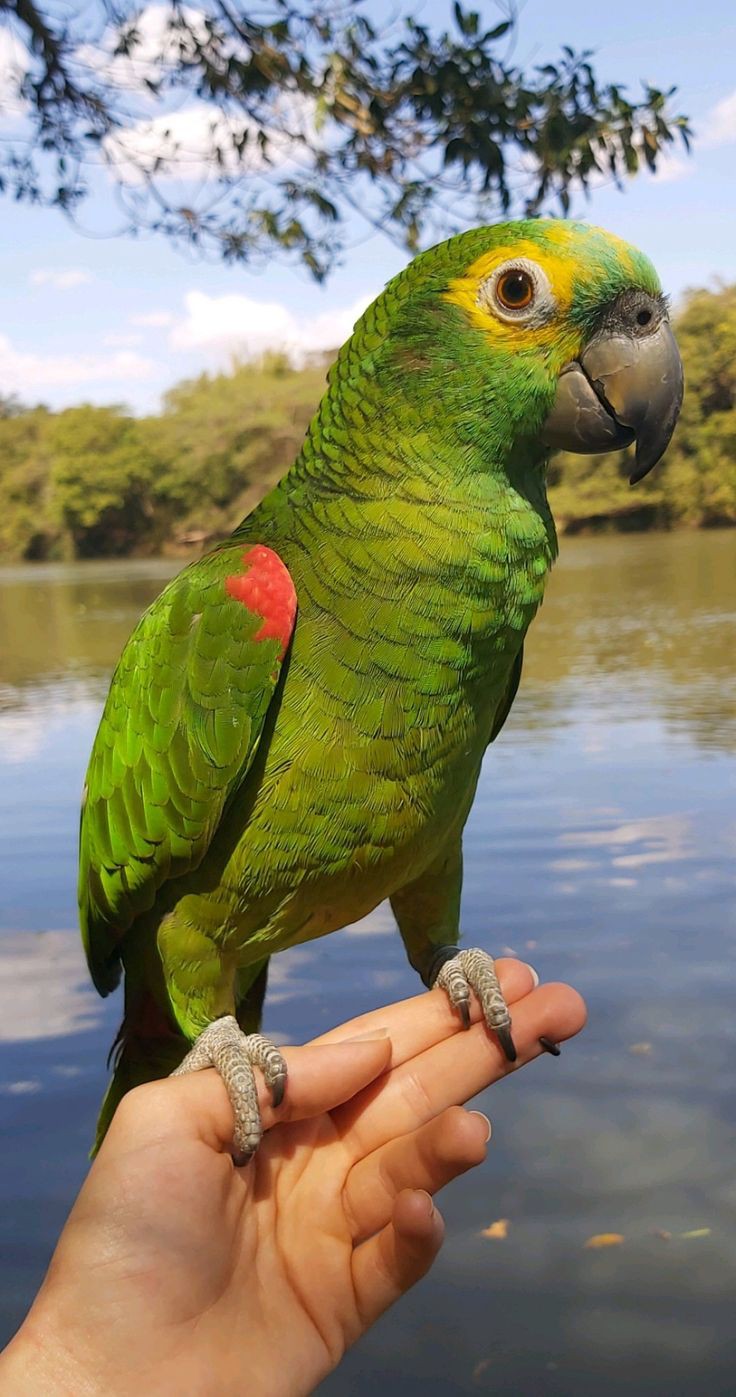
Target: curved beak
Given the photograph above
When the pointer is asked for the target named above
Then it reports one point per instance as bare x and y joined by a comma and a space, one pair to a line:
623, 388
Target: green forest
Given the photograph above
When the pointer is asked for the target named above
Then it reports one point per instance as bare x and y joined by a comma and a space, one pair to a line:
95, 481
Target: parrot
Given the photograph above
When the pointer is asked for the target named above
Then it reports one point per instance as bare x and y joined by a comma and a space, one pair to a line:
295, 730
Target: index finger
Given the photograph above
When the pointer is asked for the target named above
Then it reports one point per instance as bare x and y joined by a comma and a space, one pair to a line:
416, 1024
453, 1071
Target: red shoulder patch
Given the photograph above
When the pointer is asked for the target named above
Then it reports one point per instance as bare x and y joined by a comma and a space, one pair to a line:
266, 588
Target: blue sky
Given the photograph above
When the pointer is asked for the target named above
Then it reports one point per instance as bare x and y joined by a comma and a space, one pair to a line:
102, 319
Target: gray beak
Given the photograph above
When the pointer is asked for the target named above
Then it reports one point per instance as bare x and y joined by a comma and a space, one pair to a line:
626, 386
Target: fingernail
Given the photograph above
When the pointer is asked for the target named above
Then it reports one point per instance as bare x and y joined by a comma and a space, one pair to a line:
486, 1122
368, 1037
533, 972
423, 1193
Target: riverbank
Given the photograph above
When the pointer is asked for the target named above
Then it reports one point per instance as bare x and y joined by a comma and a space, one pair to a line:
96, 482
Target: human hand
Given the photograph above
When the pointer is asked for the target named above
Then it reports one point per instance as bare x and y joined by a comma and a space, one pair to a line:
177, 1272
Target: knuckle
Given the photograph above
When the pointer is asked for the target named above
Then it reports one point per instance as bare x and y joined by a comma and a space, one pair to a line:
417, 1095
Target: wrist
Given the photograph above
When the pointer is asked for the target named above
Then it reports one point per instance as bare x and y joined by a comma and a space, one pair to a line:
38, 1359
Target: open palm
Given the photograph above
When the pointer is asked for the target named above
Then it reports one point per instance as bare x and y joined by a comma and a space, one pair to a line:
177, 1272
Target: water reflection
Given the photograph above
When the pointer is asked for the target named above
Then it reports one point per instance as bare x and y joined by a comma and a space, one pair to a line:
61, 623
44, 987
601, 848
656, 611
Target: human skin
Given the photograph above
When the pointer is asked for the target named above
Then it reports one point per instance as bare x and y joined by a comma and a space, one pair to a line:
178, 1272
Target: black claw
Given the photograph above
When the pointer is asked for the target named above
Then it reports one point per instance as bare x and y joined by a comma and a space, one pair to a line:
464, 1011
507, 1043
549, 1047
278, 1087
240, 1159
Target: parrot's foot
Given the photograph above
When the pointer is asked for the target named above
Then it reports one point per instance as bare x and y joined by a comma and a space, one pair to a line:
457, 972
234, 1054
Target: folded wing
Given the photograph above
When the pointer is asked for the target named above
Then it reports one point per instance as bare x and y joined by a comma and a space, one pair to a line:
179, 731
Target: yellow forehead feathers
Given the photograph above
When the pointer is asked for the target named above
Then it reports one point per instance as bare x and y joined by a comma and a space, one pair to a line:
559, 258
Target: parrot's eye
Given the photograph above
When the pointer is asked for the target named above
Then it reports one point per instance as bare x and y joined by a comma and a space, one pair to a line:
515, 289
519, 293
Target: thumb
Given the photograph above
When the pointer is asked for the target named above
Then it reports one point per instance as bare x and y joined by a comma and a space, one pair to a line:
196, 1106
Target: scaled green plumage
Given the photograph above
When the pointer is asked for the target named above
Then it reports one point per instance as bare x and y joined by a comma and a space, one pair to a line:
235, 806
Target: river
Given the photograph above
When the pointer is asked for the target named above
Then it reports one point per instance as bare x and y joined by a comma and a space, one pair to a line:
601, 848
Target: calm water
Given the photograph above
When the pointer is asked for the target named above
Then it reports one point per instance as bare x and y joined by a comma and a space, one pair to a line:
601, 847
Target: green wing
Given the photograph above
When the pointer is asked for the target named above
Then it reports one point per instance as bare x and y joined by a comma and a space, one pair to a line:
178, 734
505, 705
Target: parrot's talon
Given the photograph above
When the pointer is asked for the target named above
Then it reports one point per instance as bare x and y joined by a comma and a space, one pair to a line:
234, 1054
278, 1087
457, 972
553, 1049
503, 1034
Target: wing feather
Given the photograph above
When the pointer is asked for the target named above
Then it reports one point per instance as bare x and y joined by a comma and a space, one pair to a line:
178, 734
507, 700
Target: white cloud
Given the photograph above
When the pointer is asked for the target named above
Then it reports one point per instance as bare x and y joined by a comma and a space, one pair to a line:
719, 127
22, 738
238, 325
13, 68
122, 341
162, 41
153, 319
652, 839
379, 922
60, 278
44, 990
30, 374
199, 141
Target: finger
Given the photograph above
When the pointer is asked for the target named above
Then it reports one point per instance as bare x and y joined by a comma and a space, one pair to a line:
197, 1105
415, 1024
452, 1071
390, 1263
429, 1158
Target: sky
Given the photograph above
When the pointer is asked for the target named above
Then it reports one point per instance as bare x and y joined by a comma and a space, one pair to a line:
117, 319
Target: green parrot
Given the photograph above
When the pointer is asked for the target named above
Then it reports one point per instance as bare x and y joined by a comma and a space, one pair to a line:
295, 729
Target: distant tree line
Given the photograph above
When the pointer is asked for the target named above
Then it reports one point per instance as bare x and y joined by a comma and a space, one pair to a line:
96, 481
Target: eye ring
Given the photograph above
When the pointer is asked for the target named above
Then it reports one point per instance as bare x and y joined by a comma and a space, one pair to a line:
518, 292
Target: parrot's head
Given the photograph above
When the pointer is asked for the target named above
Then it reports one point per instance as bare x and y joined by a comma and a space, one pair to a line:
557, 333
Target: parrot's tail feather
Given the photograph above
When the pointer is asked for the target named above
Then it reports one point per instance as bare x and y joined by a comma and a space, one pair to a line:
136, 1058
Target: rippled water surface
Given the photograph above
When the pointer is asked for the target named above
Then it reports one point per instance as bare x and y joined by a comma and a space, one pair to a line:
601, 847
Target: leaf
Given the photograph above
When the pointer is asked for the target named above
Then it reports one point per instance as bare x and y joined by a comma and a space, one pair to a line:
498, 1230
696, 1232
604, 1239
499, 31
